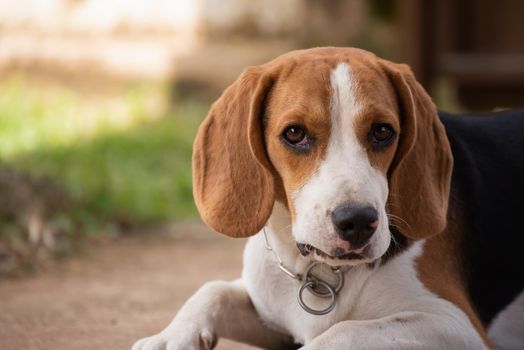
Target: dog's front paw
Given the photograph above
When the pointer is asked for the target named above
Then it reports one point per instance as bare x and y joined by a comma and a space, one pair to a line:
202, 339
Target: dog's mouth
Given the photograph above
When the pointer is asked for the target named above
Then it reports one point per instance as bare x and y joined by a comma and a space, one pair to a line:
337, 254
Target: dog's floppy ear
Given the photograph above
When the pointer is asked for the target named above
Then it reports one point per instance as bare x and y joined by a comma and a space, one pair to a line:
420, 176
233, 185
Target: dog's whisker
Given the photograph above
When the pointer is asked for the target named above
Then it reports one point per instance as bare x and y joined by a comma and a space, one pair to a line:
393, 217
395, 242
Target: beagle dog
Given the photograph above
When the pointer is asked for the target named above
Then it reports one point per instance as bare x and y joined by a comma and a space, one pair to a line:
375, 222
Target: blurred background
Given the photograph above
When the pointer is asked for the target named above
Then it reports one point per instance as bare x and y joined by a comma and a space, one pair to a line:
100, 101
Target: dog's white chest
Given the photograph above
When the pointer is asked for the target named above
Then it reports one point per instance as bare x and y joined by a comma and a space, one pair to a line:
275, 295
367, 294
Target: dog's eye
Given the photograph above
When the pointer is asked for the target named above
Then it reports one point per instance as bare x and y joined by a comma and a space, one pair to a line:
295, 136
382, 134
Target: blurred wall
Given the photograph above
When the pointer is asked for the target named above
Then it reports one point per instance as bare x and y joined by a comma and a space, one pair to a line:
477, 46
123, 37
144, 38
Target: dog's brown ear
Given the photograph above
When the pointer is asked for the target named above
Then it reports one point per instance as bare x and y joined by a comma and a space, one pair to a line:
232, 182
420, 176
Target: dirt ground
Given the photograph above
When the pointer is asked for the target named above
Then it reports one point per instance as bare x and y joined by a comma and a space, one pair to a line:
116, 292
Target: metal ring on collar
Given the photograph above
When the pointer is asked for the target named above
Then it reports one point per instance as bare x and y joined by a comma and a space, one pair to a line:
336, 289
309, 284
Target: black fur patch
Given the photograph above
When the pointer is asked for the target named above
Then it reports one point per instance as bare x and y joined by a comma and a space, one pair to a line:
488, 185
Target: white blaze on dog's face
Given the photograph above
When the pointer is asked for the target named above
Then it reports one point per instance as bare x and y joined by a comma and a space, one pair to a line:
332, 149
345, 177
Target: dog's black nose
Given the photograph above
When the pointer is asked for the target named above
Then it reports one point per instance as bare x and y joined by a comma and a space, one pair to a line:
355, 224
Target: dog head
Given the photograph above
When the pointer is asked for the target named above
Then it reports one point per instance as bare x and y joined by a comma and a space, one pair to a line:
348, 142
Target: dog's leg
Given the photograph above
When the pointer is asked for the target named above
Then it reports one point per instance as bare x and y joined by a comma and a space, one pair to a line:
218, 309
401, 331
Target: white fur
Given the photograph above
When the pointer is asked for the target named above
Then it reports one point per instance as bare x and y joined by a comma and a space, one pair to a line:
378, 293
381, 306
345, 175
384, 307
507, 329
279, 306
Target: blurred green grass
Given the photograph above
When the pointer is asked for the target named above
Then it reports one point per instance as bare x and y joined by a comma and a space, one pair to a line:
127, 157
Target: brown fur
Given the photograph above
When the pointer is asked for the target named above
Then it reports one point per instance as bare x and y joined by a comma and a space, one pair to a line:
377, 103
233, 185
420, 176
302, 98
439, 269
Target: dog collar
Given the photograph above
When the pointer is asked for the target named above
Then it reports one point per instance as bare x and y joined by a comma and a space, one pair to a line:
314, 284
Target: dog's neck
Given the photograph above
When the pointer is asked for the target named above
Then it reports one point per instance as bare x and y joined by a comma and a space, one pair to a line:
281, 239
